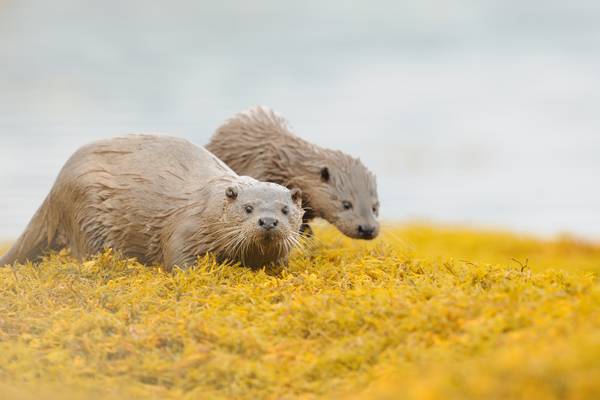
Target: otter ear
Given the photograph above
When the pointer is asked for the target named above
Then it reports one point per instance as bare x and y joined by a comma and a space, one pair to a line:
231, 192
297, 196
325, 174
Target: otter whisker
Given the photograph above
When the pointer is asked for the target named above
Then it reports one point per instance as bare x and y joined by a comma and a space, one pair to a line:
238, 248
224, 237
234, 245
227, 243
299, 242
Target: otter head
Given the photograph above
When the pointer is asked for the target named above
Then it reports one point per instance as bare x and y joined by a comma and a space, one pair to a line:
345, 194
264, 219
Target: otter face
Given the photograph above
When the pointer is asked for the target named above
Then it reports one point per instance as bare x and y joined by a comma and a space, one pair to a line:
349, 199
267, 218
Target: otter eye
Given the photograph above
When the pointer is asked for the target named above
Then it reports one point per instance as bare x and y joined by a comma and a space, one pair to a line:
347, 205
285, 210
248, 209
325, 174
374, 209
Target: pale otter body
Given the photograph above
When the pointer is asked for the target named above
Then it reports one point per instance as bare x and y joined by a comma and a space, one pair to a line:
164, 201
335, 186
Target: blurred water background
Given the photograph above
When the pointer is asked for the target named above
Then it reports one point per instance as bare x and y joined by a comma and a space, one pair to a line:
476, 112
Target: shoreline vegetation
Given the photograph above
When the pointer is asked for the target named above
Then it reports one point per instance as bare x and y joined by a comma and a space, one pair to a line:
422, 312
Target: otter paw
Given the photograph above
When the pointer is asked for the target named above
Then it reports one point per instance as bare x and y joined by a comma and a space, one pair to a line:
306, 230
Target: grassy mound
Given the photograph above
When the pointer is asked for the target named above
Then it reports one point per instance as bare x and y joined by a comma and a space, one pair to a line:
419, 313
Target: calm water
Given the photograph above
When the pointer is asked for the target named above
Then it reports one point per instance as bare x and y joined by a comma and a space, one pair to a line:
484, 113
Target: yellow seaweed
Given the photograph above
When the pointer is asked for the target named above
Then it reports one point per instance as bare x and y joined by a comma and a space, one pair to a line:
422, 312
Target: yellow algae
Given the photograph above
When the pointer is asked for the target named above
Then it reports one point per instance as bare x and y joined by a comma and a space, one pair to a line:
422, 312
566, 253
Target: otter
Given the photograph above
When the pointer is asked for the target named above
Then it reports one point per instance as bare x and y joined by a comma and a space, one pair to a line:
163, 201
335, 186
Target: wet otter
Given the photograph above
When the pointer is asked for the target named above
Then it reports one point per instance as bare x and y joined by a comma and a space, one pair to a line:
162, 200
335, 186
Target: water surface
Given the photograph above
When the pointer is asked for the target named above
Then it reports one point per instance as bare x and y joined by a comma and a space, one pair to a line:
475, 112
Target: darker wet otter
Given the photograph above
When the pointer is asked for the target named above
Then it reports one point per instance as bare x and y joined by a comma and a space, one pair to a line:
335, 186
164, 201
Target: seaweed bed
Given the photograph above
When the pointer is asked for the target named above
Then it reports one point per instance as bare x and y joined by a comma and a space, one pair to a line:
421, 312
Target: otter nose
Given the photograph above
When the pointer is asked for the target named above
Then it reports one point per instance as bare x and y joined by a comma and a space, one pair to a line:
267, 223
366, 231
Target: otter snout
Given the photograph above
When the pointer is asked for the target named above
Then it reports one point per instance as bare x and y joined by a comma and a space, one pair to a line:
268, 223
367, 231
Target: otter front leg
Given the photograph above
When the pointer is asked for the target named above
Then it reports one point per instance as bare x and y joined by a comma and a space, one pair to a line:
306, 230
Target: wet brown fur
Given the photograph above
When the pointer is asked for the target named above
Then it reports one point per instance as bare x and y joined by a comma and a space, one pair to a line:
259, 143
162, 200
